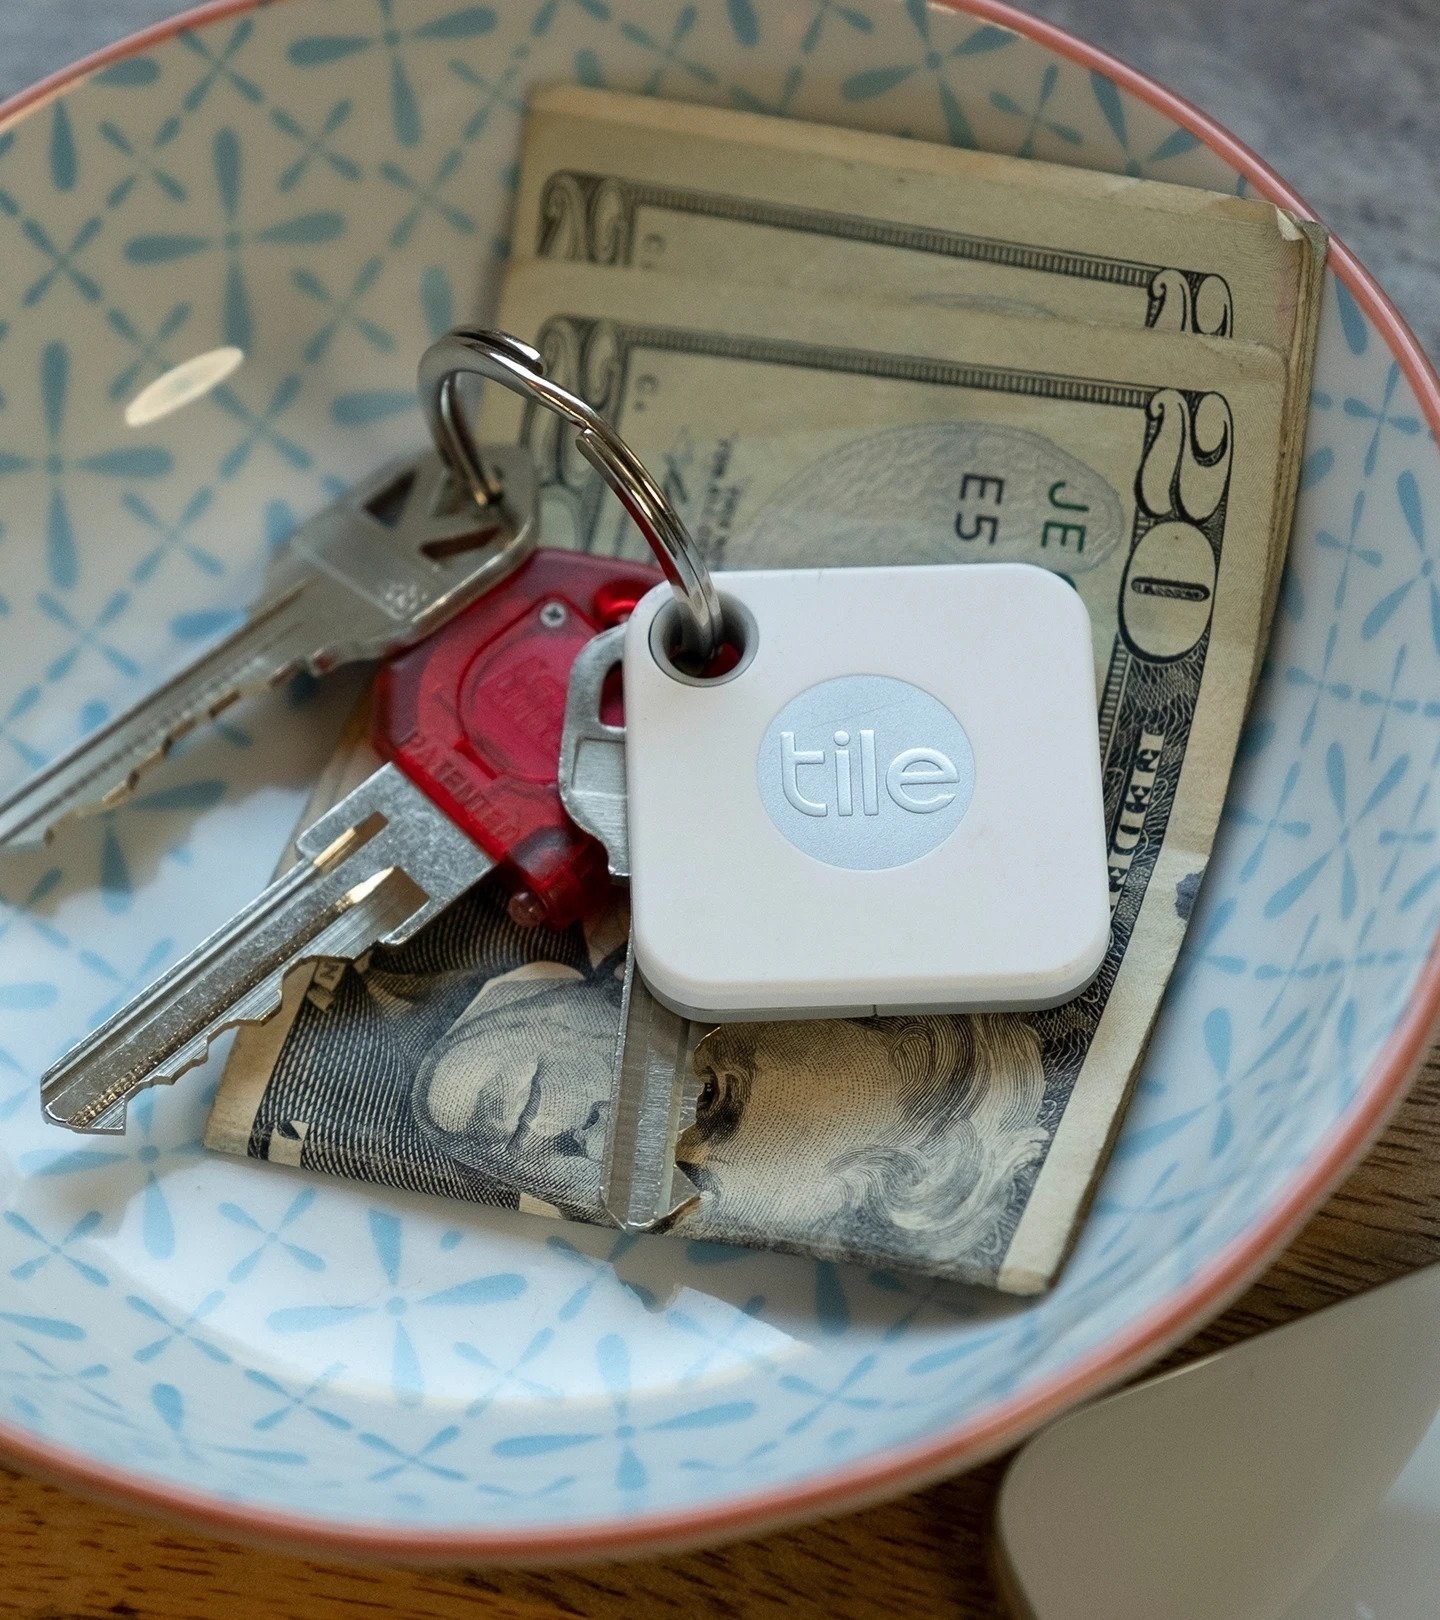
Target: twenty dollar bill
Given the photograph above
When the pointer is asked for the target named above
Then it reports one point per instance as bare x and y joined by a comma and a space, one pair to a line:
719, 195
792, 432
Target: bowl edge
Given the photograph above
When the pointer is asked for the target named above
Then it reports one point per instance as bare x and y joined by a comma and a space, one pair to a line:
902, 1469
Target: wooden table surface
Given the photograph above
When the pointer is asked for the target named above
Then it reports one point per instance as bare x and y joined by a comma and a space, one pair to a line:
63, 1558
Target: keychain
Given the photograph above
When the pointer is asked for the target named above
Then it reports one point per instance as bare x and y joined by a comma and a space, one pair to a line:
848, 791
836, 791
844, 790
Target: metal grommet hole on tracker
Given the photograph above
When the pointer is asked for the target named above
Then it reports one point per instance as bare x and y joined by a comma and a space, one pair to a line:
733, 655
507, 361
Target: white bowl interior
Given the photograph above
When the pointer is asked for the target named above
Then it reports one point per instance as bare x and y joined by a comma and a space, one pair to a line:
324, 187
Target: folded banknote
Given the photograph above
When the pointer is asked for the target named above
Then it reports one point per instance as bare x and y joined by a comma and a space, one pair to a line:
1149, 461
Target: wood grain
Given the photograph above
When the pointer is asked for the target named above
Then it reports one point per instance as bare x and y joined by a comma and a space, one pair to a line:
63, 1558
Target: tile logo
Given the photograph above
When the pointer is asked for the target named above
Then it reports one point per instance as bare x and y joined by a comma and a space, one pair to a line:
866, 772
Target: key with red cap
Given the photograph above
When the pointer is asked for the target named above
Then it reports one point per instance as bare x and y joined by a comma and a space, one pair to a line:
469, 723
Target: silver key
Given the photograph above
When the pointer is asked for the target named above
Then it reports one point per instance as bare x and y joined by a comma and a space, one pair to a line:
654, 1086
375, 870
388, 858
382, 567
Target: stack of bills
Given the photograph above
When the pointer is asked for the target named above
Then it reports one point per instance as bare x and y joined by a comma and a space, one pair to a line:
837, 347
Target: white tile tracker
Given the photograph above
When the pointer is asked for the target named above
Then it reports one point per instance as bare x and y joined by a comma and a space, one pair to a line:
891, 805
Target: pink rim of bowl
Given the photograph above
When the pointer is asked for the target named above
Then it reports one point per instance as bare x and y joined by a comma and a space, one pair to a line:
905, 1468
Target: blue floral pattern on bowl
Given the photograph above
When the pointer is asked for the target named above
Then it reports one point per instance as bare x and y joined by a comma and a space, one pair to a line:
324, 186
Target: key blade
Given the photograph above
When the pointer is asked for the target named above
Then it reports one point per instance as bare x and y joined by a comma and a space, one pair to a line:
592, 753
374, 572
102, 770
652, 1100
377, 868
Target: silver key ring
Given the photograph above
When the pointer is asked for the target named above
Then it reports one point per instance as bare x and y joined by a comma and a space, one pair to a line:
515, 365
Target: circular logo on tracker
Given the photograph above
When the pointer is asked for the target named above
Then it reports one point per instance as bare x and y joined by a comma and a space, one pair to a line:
866, 772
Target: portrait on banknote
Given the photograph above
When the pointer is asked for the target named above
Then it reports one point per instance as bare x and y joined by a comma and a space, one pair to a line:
466, 1062
518, 1087
476, 1061
901, 1137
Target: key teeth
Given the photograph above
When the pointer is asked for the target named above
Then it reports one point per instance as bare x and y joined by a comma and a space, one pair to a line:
111, 1120
67, 807
261, 1003
117, 794
390, 856
38, 830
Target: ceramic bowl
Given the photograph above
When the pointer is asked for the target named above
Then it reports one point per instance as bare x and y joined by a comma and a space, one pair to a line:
322, 187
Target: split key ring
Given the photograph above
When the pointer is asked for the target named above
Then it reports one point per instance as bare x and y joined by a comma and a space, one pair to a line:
503, 359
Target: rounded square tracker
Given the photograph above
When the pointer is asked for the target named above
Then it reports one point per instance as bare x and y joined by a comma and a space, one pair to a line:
892, 804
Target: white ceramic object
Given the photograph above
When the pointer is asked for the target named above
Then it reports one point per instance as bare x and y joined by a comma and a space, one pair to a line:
1296, 1475
320, 187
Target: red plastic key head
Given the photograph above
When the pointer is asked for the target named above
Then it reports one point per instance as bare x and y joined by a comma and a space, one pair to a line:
473, 716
